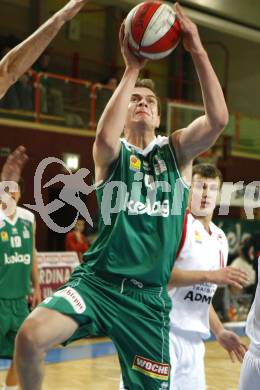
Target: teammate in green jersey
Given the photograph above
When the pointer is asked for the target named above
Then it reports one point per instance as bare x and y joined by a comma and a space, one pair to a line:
121, 289
18, 270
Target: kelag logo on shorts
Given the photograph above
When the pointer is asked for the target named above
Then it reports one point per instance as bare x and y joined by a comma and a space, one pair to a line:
151, 368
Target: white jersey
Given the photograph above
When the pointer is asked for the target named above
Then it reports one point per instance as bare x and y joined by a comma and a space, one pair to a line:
253, 319
199, 250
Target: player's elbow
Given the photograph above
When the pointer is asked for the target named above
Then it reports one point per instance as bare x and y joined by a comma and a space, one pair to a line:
219, 122
6, 80
223, 119
2, 93
3, 86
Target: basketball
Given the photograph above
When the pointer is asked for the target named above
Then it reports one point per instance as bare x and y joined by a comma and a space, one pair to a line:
154, 30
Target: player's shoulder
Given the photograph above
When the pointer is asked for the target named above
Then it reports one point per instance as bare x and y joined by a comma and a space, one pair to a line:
191, 222
189, 226
25, 214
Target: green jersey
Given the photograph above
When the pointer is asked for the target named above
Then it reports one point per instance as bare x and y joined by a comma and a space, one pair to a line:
142, 207
16, 254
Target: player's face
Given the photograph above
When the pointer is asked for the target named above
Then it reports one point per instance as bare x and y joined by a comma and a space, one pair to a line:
16, 196
203, 195
6, 206
143, 109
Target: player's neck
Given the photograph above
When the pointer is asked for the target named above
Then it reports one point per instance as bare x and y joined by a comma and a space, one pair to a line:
205, 221
12, 216
141, 140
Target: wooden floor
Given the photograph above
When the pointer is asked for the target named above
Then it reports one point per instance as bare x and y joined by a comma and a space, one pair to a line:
102, 373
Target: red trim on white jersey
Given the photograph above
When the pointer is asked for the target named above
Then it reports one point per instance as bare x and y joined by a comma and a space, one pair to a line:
221, 259
184, 234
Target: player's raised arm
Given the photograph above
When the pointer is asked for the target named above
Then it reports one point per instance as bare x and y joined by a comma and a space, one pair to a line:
112, 122
204, 131
14, 165
20, 59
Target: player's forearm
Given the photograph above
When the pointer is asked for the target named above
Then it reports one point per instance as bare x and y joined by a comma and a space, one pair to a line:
181, 278
213, 98
35, 279
214, 322
36, 284
21, 58
112, 121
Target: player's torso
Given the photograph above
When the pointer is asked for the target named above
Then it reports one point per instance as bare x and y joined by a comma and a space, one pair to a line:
16, 251
141, 234
201, 251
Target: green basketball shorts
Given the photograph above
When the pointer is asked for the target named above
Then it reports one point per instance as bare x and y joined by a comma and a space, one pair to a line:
12, 314
134, 317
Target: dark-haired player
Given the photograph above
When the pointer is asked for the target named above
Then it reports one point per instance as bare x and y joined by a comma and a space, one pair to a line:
121, 288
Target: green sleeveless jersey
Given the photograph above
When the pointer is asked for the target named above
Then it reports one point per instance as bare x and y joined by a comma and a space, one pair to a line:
142, 207
16, 254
